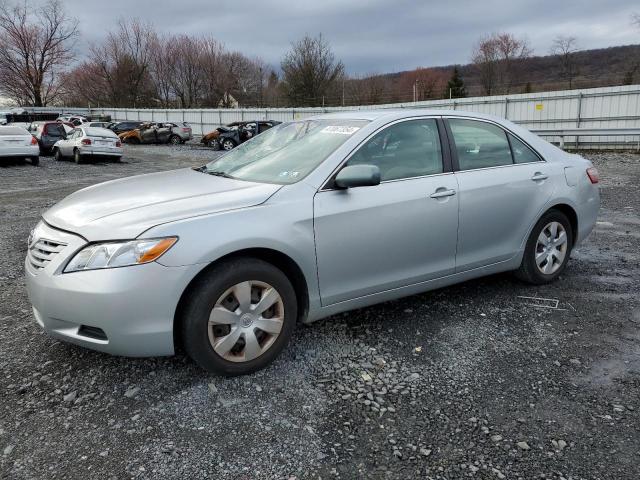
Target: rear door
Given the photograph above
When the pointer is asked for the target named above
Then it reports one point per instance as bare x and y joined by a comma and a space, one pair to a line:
398, 233
503, 187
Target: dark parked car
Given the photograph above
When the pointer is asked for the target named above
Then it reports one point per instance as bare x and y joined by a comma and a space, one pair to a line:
125, 126
47, 134
233, 134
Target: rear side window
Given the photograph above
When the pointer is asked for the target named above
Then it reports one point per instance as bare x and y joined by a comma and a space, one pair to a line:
403, 150
480, 144
521, 153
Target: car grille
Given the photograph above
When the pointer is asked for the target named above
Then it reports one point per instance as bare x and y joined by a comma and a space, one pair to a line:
43, 251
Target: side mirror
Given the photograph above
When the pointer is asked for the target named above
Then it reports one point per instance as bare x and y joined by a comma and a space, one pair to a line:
358, 176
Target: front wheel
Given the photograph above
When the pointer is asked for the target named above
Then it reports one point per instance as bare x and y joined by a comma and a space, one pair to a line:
239, 317
214, 144
548, 249
57, 155
228, 144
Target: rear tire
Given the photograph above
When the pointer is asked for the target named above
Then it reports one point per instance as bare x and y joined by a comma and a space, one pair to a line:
547, 250
35, 161
77, 157
175, 140
222, 288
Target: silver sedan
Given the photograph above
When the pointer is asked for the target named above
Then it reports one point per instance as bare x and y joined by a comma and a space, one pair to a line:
311, 218
83, 142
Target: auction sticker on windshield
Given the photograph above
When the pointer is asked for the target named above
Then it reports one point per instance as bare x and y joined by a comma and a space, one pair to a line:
341, 129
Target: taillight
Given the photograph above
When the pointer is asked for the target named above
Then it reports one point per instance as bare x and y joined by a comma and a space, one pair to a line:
118, 144
186, 129
86, 141
592, 173
34, 141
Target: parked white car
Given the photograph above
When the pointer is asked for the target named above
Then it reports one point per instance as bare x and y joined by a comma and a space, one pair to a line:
85, 142
17, 142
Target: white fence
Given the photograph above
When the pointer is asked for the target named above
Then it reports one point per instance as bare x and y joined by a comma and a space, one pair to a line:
596, 108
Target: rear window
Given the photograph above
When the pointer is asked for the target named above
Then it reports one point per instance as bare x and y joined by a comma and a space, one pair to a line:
54, 130
99, 132
13, 131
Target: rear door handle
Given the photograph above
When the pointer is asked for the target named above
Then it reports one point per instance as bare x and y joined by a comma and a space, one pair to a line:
440, 193
538, 176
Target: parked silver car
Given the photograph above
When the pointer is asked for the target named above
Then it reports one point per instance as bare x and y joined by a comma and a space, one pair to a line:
308, 219
84, 142
17, 142
180, 133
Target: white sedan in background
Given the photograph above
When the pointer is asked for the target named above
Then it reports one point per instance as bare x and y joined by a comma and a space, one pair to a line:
17, 142
84, 142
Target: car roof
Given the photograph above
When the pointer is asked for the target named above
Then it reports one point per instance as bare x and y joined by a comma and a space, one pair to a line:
400, 113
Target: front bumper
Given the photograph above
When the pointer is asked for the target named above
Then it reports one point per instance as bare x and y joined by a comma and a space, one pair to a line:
133, 306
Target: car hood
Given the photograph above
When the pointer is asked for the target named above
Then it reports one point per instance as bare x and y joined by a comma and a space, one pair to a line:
125, 208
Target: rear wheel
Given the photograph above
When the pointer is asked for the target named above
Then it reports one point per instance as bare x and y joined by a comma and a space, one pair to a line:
228, 144
175, 140
35, 161
77, 156
239, 317
548, 249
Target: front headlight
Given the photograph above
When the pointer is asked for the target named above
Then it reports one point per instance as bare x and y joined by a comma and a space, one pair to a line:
119, 254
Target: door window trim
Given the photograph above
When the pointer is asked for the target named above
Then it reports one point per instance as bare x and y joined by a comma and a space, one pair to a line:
445, 148
507, 132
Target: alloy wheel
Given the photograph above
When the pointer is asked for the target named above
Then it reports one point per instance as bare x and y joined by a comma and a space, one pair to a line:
551, 248
245, 321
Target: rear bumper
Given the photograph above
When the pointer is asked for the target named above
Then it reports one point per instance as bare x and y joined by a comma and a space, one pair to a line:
22, 151
101, 151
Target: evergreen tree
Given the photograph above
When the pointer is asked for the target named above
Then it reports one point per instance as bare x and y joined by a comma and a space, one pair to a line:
455, 85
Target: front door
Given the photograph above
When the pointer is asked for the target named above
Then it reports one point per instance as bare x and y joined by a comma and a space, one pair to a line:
398, 233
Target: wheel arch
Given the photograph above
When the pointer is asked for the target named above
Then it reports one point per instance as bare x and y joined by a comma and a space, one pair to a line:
571, 214
276, 258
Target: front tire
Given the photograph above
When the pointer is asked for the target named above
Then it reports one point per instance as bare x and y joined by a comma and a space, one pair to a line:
548, 249
238, 317
228, 144
214, 144
57, 155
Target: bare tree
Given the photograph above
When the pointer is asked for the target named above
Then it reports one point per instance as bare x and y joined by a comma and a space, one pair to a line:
498, 58
310, 70
124, 63
565, 48
634, 63
36, 45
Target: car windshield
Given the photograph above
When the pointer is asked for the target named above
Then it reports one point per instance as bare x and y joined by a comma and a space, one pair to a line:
13, 131
285, 153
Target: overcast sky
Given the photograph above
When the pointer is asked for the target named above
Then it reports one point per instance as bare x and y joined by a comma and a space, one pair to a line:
371, 36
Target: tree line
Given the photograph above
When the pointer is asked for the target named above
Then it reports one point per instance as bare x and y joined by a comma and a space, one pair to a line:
136, 66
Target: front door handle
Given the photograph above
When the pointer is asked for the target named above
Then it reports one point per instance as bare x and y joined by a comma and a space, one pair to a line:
441, 192
538, 176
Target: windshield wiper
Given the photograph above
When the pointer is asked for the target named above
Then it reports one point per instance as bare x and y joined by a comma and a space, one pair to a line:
218, 174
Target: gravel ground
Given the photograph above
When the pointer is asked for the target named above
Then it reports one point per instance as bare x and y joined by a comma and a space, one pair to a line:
468, 381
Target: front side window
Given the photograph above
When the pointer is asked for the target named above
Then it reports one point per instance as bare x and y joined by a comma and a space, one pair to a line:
480, 144
403, 150
522, 153
285, 153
